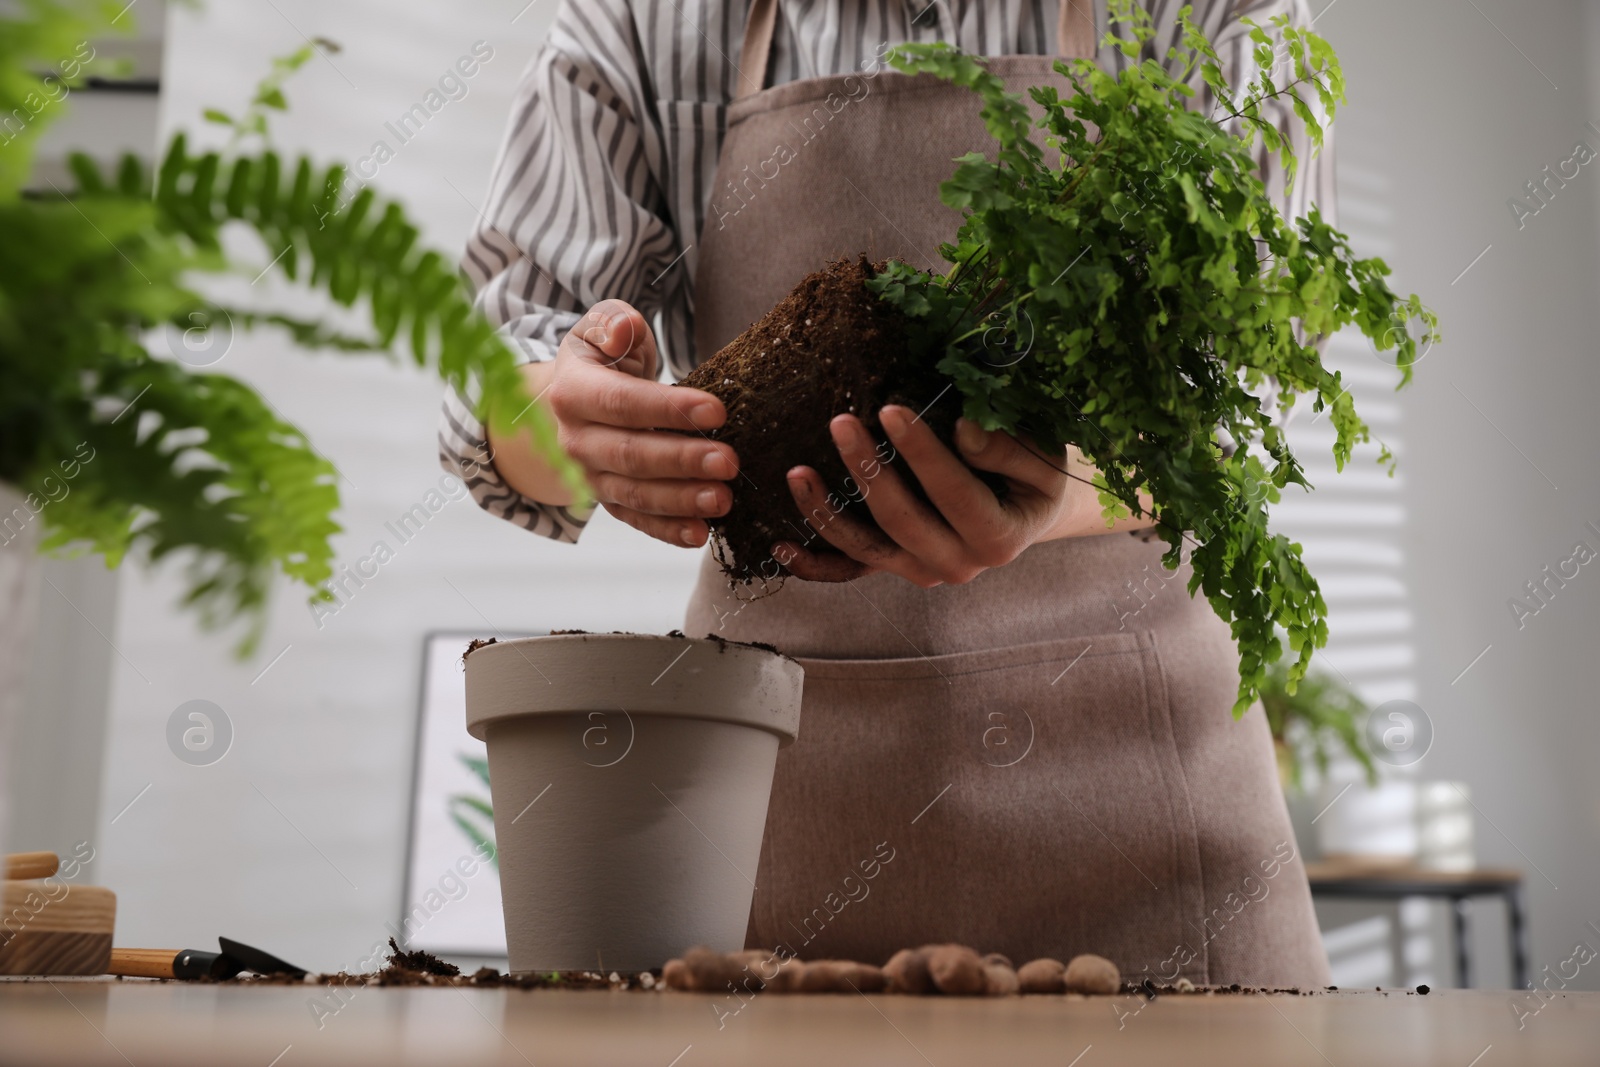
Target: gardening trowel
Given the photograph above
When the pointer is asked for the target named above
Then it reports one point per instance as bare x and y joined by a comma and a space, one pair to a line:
196, 963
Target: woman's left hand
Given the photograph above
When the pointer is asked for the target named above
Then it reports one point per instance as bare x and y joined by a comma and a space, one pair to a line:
962, 530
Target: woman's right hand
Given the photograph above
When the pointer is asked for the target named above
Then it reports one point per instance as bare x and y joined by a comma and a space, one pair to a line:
610, 413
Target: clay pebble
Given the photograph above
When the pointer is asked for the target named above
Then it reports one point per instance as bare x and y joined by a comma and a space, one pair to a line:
1094, 975
957, 970
907, 972
675, 975
1043, 976
949, 969
999, 980
713, 971
709, 971
840, 976
786, 974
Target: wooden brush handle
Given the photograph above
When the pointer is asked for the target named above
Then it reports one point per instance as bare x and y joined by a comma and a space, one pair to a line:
21, 865
142, 962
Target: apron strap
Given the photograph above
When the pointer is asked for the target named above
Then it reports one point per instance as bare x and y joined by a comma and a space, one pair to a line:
1075, 30
1075, 39
759, 21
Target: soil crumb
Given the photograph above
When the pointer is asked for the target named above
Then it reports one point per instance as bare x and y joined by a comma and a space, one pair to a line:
425, 962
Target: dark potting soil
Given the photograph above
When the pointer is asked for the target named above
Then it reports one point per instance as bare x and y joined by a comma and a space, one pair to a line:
723, 643
489, 977
1152, 990
424, 968
426, 962
830, 347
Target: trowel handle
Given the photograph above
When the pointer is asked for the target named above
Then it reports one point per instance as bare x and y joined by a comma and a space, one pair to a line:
161, 962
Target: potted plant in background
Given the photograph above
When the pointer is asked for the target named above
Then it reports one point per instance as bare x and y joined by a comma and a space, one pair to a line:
1314, 720
109, 445
1366, 821
1338, 816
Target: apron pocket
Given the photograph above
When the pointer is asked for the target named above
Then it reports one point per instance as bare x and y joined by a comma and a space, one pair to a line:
1026, 800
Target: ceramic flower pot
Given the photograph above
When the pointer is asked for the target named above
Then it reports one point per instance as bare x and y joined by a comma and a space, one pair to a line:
630, 776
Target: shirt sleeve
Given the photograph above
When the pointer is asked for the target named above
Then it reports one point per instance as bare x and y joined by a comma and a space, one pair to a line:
575, 214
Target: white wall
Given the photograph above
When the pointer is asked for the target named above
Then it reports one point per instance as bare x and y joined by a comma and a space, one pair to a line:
296, 839
1444, 105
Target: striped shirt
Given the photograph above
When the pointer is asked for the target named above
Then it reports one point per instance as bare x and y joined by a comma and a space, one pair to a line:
606, 170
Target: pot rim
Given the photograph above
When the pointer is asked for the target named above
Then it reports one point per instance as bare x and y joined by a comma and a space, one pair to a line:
637, 674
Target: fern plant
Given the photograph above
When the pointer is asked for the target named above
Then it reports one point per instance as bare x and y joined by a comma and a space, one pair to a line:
168, 460
1139, 290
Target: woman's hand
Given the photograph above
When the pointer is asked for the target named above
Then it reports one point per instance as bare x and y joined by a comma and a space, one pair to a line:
966, 530
610, 414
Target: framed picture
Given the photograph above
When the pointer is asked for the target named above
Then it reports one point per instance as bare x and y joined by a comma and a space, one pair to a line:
451, 905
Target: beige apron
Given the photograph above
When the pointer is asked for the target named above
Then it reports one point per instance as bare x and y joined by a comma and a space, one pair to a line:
1041, 762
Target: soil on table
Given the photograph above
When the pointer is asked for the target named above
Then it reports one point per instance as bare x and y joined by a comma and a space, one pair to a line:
491, 978
912, 971
425, 969
830, 347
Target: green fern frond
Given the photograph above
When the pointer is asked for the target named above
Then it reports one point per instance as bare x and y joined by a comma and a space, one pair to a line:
125, 451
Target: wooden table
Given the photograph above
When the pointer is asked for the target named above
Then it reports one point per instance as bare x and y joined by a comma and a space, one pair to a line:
94, 1023
1376, 881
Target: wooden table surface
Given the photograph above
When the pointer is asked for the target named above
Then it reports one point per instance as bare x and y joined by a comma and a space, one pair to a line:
86, 1024
1355, 870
